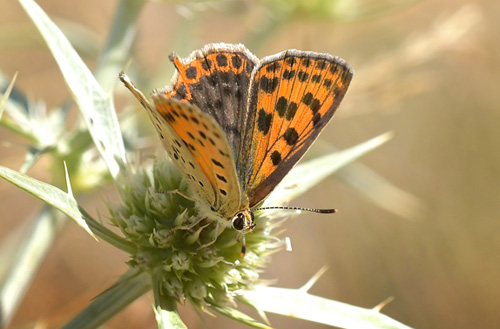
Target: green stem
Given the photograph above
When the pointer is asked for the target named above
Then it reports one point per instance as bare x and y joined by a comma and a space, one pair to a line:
129, 287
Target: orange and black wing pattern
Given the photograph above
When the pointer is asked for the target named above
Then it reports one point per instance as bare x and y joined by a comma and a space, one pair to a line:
292, 96
197, 145
216, 79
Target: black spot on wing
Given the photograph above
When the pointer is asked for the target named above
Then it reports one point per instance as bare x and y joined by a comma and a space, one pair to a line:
313, 103
303, 76
281, 106
273, 67
236, 61
269, 85
191, 72
276, 158
221, 178
316, 78
288, 74
316, 119
217, 163
221, 60
264, 121
321, 64
291, 110
291, 61
291, 136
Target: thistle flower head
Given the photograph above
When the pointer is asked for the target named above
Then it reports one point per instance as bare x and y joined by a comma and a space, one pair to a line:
196, 258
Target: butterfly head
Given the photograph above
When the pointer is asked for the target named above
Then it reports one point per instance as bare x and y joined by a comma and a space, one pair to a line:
243, 221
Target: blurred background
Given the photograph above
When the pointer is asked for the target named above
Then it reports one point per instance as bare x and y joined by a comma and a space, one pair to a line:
418, 217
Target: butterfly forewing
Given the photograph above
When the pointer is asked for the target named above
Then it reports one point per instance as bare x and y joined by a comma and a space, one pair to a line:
178, 152
201, 151
293, 95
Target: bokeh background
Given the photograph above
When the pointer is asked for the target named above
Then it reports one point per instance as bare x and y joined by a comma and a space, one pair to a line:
419, 216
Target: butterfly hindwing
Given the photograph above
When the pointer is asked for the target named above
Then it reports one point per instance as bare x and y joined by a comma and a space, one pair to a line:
293, 95
216, 79
198, 147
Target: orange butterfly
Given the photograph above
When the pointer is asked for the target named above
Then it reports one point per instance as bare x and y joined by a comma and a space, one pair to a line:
235, 125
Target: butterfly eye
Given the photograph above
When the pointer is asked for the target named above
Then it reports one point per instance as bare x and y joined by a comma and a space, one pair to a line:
243, 221
239, 221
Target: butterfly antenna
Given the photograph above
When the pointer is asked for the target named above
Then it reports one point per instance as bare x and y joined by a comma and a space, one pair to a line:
318, 211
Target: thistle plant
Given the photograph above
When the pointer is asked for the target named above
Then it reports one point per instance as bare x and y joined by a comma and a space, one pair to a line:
179, 246
174, 252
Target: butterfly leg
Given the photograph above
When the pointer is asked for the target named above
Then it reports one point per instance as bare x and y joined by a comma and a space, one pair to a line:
188, 227
216, 235
180, 193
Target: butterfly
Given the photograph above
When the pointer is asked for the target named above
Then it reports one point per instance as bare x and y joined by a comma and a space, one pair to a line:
235, 125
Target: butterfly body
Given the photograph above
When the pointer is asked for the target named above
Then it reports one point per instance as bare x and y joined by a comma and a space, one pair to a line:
235, 125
